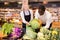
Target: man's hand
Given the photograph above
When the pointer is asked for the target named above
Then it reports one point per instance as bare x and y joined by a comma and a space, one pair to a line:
46, 27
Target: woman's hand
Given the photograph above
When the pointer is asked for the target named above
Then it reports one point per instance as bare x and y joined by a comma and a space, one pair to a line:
27, 23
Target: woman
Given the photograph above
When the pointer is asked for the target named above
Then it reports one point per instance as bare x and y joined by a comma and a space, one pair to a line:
44, 16
26, 15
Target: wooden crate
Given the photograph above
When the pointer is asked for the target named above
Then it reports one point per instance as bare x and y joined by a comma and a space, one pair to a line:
56, 25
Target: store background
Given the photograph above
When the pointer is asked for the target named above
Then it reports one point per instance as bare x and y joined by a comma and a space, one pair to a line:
14, 6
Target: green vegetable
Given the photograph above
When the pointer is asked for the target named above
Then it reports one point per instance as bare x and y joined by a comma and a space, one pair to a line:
34, 24
44, 30
25, 37
7, 28
30, 32
29, 28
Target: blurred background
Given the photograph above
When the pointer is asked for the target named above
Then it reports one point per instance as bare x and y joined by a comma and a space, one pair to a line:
14, 6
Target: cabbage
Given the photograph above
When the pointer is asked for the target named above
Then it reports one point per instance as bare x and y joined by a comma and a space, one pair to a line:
30, 32
35, 23
26, 37
29, 28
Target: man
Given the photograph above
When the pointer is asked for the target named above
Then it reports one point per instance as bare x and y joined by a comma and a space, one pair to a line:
44, 16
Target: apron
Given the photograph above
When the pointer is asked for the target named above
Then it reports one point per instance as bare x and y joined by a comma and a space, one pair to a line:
27, 18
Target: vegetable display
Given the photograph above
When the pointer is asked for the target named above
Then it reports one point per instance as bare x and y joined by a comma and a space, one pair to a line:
7, 28
35, 23
16, 32
29, 28
30, 33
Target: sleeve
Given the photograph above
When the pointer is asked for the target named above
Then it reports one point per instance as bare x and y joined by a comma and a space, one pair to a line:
22, 16
49, 21
36, 14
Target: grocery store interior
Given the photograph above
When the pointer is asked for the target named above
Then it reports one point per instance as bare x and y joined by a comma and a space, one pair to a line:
29, 19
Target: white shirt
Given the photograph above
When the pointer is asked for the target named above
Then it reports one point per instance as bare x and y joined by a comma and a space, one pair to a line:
26, 13
46, 18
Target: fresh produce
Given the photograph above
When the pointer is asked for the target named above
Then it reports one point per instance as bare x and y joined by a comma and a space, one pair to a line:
7, 28
20, 22
35, 23
16, 21
2, 34
30, 33
40, 36
44, 34
29, 28
26, 37
16, 32
44, 30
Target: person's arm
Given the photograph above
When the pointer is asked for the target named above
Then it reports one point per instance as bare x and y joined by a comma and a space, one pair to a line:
49, 21
22, 16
